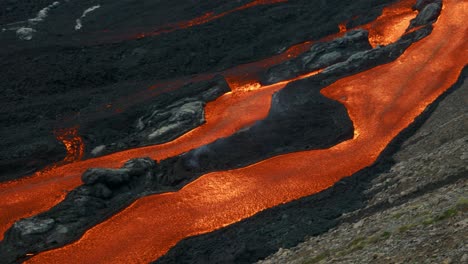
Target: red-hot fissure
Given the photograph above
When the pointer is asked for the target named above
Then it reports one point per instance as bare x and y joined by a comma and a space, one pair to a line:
73, 144
381, 102
208, 17
247, 103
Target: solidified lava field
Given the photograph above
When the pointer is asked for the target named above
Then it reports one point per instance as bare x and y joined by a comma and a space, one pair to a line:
207, 131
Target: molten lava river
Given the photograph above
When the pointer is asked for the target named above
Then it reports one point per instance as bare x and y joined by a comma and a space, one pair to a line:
381, 102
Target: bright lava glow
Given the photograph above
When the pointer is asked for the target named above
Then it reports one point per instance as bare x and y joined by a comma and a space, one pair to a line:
379, 107
247, 103
208, 17
72, 142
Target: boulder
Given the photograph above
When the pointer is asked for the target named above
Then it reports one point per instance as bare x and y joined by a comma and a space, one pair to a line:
319, 56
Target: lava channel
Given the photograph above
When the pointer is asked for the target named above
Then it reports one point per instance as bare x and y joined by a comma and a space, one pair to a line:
381, 102
247, 103
210, 16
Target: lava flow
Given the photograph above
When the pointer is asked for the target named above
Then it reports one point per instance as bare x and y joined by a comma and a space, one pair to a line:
208, 17
247, 103
73, 144
381, 102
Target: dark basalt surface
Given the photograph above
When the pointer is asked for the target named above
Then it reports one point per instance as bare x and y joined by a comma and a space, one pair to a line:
319, 56
162, 119
63, 78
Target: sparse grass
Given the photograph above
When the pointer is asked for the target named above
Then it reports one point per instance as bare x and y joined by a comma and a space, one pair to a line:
462, 204
398, 215
428, 221
447, 214
405, 228
356, 244
386, 234
318, 258
356, 241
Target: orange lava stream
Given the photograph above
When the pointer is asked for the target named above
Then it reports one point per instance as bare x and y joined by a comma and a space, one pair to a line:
208, 17
381, 102
342, 28
247, 103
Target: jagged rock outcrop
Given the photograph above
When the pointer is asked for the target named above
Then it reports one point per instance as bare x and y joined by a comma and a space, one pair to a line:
105, 191
428, 12
319, 56
420, 4
159, 120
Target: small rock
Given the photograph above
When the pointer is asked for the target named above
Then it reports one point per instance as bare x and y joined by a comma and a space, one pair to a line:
358, 224
464, 258
25, 33
447, 261
98, 150
34, 226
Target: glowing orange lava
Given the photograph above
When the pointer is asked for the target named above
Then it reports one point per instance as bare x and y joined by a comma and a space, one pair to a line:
247, 103
208, 17
73, 143
381, 102
342, 27
392, 24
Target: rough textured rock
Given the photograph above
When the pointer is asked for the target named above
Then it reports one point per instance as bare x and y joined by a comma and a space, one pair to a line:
428, 229
156, 121
319, 56
105, 192
420, 4
428, 14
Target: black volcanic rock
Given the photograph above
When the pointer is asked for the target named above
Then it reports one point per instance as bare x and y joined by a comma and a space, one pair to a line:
63, 75
105, 192
319, 56
158, 120
427, 15
300, 118
45, 150
420, 4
